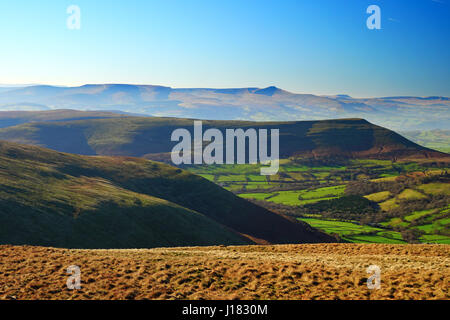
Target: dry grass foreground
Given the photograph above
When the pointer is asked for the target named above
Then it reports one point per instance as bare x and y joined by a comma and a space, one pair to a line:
321, 271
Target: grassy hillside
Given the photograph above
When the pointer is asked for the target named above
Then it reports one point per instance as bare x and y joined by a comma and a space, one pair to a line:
55, 199
150, 137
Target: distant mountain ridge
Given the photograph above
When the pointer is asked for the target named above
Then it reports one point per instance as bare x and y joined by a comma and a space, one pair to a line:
257, 104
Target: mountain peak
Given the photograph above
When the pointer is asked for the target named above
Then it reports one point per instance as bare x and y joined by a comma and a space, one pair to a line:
269, 91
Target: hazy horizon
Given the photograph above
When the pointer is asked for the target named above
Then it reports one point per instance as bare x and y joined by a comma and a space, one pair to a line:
15, 85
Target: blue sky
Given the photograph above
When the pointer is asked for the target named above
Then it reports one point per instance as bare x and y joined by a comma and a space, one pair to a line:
314, 46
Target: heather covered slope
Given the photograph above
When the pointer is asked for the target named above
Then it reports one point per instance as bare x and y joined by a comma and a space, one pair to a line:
54, 199
150, 137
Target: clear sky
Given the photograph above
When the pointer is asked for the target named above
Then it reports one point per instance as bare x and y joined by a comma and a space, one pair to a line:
313, 46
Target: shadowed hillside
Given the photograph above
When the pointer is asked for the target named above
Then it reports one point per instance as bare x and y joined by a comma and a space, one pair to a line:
150, 137
54, 199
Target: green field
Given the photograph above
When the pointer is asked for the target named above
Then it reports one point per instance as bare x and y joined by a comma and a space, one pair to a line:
353, 232
340, 227
293, 197
435, 239
257, 196
410, 194
417, 214
209, 177
256, 178
379, 196
232, 178
436, 188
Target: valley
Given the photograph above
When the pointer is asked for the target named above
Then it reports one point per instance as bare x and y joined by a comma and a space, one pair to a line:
360, 200
350, 179
97, 191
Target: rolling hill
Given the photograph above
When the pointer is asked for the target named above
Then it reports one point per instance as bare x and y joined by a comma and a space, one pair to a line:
13, 118
150, 137
55, 199
256, 104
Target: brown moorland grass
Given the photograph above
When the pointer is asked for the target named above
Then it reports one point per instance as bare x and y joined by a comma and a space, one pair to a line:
317, 271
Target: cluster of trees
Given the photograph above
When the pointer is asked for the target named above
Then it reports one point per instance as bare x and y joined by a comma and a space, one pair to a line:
365, 187
279, 208
322, 161
411, 235
351, 207
431, 202
282, 186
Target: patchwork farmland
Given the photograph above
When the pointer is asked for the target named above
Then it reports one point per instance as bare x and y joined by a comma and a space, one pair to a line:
407, 201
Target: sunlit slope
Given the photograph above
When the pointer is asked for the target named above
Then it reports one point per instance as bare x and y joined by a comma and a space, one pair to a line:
55, 199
